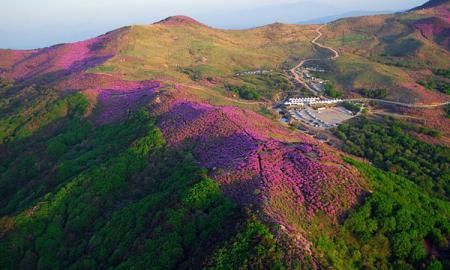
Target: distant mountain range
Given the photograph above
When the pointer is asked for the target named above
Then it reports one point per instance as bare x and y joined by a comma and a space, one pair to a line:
431, 4
40, 34
298, 12
355, 13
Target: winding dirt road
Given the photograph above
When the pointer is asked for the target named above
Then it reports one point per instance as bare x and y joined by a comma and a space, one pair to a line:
293, 71
299, 79
336, 55
319, 35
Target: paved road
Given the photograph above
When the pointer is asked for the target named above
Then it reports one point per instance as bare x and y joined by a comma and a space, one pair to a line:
410, 105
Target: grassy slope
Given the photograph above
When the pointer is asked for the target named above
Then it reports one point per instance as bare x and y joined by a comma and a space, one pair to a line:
159, 50
385, 51
378, 52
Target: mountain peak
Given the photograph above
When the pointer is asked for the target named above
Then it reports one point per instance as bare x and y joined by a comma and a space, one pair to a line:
432, 4
179, 20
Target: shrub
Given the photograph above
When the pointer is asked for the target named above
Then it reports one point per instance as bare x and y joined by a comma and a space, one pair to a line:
244, 91
331, 91
374, 93
354, 107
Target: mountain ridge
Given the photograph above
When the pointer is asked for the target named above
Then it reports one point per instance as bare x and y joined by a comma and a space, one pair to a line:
350, 14
431, 4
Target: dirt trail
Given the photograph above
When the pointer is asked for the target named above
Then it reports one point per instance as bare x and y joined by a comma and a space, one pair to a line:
319, 35
222, 96
336, 55
314, 41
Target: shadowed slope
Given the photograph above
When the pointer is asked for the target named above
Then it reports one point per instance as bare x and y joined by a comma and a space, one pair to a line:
63, 59
432, 4
288, 179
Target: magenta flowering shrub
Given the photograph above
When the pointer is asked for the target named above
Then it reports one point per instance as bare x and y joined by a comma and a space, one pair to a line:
251, 167
255, 160
74, 54
311, 182
56, 62
9, 57
431, 28
253, 123
305, 148
227, 152
114, 105
184, 120
84, 81
236, 147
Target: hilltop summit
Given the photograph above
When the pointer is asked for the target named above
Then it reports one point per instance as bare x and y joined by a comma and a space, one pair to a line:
180, 20
432, 4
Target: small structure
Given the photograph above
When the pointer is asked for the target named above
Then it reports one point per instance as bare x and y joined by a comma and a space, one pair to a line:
252, 72
311, 101
300, 101
326, 101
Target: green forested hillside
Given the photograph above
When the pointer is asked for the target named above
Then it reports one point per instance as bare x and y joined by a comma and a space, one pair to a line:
79, 196
397, 226
75, 195
388, 145
403, 223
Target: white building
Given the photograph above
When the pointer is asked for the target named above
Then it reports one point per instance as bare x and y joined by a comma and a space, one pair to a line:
326, 101
252, 72
311, 101
301, 101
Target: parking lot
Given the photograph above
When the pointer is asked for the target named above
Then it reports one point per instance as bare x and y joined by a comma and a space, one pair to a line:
324, 118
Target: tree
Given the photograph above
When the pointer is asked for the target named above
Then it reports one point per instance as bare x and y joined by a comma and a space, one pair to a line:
435, 265
331, 91
401, 244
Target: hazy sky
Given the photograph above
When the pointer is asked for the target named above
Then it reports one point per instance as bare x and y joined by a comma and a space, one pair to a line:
28, 24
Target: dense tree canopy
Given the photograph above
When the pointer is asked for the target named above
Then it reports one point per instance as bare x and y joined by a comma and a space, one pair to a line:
398, 226
387, 144
79, 196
